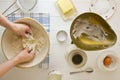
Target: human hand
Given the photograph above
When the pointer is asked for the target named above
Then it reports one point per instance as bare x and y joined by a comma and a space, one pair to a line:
21, 29
24, 56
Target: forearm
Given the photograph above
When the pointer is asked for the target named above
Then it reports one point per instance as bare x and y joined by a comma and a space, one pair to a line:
5, 67
5, 22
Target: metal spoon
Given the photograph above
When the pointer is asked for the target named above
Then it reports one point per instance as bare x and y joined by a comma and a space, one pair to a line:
88, 70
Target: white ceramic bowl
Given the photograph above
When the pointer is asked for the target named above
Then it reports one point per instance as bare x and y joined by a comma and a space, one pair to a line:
79, 63
12, 44
100, 61
61, 36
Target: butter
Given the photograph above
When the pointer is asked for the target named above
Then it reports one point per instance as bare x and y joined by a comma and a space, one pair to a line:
65, 6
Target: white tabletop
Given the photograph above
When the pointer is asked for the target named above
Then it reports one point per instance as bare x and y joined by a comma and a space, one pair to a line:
58, 50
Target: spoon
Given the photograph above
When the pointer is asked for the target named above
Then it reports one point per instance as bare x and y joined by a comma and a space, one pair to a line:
88, 70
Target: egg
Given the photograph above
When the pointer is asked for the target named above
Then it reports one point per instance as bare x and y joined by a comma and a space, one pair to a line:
107, 61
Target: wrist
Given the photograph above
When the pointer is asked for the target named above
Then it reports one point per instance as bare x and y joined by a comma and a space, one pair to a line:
15, 61
11, 26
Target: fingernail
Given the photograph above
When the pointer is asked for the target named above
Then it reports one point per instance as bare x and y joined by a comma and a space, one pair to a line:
26, 36
30, 50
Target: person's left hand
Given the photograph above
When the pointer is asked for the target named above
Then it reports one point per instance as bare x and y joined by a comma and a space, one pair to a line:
21, 29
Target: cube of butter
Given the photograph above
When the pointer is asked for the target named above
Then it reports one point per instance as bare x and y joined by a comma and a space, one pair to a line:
65, 6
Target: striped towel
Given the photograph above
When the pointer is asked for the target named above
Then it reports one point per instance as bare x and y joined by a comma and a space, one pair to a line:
44, 19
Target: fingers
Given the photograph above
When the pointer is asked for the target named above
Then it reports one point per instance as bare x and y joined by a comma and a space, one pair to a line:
26, 49
28, 33
32, 53
27, 30
29, 51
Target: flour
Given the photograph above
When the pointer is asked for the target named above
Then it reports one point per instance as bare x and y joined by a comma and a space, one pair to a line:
36, 44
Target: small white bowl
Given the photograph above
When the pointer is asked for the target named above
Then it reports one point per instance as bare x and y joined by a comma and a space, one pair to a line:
102, 56
61, 36
81, 55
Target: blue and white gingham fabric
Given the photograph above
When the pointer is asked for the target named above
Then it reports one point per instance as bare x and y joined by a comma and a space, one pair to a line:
44, 19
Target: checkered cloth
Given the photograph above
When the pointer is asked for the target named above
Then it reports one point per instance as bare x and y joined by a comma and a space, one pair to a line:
44, 19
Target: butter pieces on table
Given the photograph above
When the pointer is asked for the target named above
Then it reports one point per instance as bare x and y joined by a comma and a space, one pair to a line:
66, 9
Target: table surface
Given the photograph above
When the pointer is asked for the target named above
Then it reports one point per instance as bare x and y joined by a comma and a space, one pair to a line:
59, 50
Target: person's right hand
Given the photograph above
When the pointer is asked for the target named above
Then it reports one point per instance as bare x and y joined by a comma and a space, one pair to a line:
24, 56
